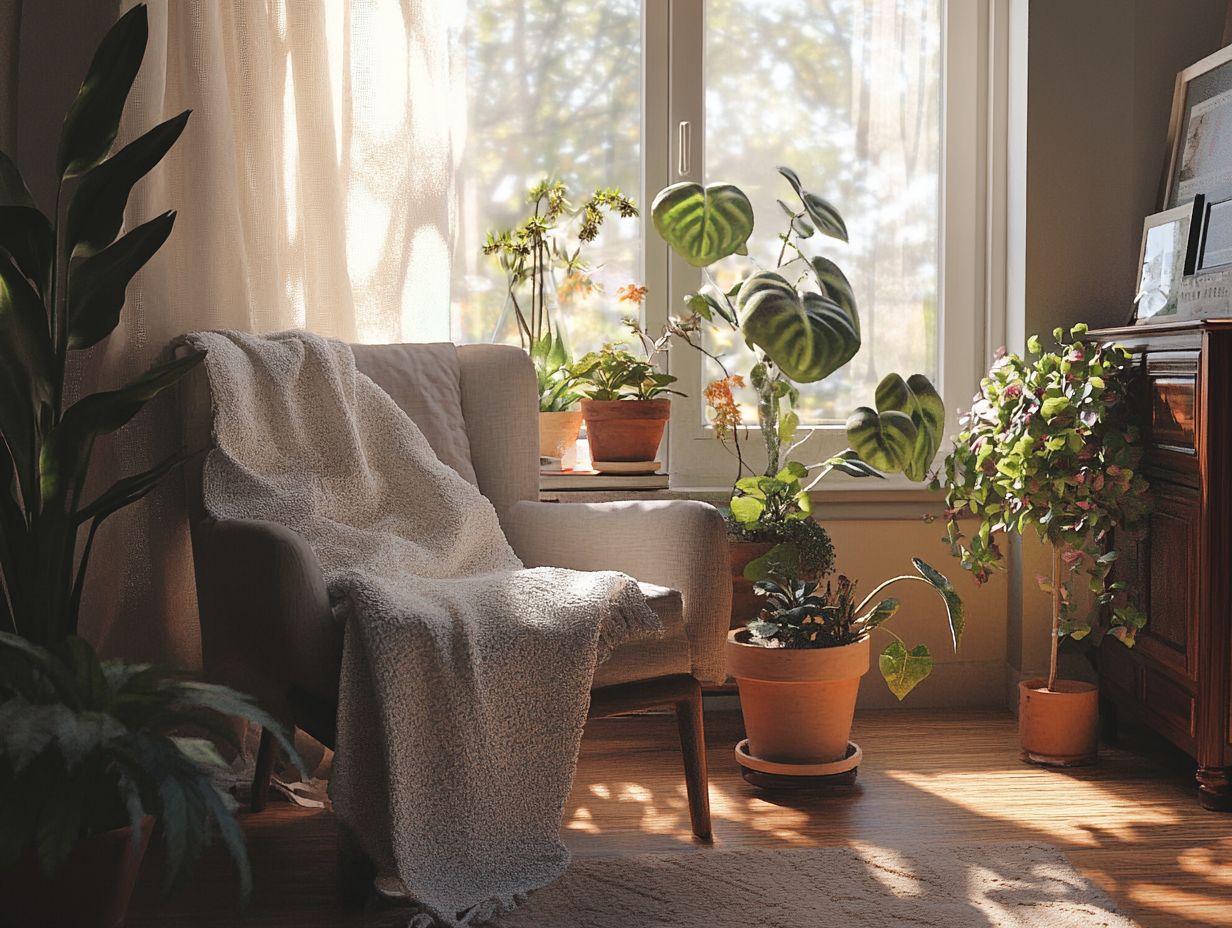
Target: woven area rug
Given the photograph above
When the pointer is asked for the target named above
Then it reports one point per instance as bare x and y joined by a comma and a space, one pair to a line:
946, 887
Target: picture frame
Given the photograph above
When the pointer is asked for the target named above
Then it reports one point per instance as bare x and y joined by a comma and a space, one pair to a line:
1168, 254
1199, 158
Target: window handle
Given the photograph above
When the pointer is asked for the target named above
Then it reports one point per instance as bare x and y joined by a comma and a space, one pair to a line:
684, 152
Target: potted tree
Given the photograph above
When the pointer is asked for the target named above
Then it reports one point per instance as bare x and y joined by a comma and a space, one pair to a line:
91, 753
625, 406
530, 254
799, 665
799, 336
1051, 444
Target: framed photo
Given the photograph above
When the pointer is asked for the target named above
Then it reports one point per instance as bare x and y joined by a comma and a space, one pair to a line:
1199, 157
1169, 253
1215, 243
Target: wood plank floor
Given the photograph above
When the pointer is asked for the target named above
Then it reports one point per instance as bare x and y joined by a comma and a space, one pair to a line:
1132, 824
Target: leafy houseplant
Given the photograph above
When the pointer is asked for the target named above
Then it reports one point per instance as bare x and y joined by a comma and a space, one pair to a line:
798, 335
84, 746
798, 711
1051, 444
624, 405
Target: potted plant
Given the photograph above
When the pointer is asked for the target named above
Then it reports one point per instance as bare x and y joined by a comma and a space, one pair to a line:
1051, 444
799, 665
530, 254
625, 406
89, 751
798, 335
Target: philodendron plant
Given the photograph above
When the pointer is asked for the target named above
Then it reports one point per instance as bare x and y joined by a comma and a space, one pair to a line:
799, 335
1051, 443
803, 614
62, 288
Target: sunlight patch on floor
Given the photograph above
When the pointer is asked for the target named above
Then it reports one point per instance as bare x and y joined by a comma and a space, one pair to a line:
1091, 815
1210, 863
1181, 903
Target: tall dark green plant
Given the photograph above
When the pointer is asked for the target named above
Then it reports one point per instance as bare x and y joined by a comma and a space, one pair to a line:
62, 288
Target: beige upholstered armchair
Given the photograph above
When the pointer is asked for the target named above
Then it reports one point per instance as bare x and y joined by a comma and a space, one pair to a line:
266, 623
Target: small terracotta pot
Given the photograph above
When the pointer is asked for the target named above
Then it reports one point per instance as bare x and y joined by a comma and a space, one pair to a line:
745, 603
1059, 727
91, 890
625, 430
798, 703
558, 432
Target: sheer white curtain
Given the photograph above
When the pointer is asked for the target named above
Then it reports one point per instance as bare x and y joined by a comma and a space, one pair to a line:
314, 189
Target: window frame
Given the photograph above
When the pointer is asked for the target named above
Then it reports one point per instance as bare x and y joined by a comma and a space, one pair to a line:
972, 242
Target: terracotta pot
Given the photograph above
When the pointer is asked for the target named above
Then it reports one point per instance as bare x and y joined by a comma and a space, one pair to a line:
91, 890
558, 432
625, 430
745, 603
798, 703
1059, 727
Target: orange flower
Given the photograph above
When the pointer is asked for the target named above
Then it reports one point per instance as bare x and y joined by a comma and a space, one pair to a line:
720, 400
632, 293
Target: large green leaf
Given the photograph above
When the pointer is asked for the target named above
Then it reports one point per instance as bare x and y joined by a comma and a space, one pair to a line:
97, 284
885, 441
807, 335
94, 116
25, 233
66, 452
904, 669
26, 371
821, 211
703, 224
97, 210
837, 287
883, 438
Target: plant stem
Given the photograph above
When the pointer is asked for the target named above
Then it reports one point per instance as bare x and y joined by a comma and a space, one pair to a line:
1056, 617
59, 321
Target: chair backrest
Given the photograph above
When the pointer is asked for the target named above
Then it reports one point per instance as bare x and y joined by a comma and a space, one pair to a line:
476, 404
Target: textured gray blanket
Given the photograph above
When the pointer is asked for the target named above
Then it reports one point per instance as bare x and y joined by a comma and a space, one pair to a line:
465, 677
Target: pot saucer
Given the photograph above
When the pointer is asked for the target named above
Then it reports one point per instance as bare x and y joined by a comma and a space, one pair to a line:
626, 467
770, 774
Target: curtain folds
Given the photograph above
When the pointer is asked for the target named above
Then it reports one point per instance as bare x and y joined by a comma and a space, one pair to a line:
314, 189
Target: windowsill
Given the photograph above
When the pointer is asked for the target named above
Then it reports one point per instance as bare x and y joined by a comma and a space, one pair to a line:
846, 503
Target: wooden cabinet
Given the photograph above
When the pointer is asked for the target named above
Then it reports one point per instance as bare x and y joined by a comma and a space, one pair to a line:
1178, 679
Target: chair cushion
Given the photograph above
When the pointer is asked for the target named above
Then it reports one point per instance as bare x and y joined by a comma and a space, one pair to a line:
651, 657
425, 381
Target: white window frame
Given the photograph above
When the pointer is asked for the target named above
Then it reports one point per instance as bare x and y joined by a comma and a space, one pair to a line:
972, 247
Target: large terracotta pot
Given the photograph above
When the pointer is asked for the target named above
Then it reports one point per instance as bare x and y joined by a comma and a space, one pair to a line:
798, 703
745, 604
1058, 727
625, 430
558, 433
91, 890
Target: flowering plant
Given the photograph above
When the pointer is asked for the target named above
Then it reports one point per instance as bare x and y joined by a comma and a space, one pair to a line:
1051, 443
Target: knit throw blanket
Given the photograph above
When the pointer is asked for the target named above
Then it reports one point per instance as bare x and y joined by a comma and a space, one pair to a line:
465, 677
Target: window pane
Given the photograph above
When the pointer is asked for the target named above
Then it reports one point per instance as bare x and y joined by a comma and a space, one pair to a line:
554, 89
846, 92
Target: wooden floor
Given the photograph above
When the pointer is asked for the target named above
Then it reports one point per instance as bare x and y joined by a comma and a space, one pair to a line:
1132, 824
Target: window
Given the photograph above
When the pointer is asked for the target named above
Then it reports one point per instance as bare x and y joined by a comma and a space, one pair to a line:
878, 104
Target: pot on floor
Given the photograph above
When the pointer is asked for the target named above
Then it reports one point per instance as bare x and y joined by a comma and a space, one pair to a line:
91, 889
625, 430
798, 706
1058, 727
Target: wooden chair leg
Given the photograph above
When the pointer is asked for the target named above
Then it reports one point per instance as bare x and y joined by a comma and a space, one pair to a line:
264, 771
690, 721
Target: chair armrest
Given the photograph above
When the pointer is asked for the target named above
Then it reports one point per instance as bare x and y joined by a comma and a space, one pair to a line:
266, 622
681, 544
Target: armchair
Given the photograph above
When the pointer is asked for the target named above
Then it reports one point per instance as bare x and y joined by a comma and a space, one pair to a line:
266, 624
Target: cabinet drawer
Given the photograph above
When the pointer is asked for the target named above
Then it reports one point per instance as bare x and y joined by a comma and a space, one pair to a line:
1172, 404
1171, 702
